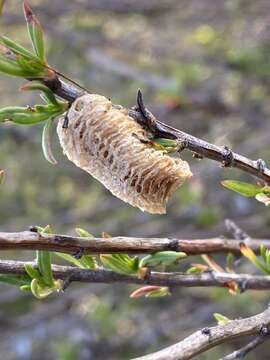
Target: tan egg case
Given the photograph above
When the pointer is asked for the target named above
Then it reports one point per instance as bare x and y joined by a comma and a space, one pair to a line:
107, 143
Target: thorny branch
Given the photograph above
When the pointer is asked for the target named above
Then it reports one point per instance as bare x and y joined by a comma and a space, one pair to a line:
208, 279
29, 240
199, 147
241, 353
207, 338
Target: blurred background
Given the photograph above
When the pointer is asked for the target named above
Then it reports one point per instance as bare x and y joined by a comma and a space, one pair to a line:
204, 68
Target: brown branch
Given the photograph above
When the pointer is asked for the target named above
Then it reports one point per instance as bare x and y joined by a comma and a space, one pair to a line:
241, 353
29, 240
209, 279
203, 148
208, 338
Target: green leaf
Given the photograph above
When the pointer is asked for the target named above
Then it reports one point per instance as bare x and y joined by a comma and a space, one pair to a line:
120, 263
35, 31
46, 142
10, 67
150, 291
194, 270
25, 288
37, 85
221, 319
17, 280
230, 261
243, 188
18, 49
263, 251
85, 262
32, 272
40, 292
165, 258
83, 233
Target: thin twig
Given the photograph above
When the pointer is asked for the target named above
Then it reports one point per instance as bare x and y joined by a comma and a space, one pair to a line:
205, 339
29, 240
241, 353
203, 148
252, 282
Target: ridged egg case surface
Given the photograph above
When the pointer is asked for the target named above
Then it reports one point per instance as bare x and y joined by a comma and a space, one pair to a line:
111, 146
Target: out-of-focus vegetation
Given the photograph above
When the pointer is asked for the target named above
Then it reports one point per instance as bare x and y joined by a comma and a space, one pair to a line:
204, 68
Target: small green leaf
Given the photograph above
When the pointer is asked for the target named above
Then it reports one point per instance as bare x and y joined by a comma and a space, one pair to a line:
35, 31
18, 49
83, 233
37, 85
25, 288
221, 319
40, 292
243, 188
194, 270
150, 291
165, 258
230, 261
46, 142
32, 272
11, 67
263, 251
17, 280
120, 263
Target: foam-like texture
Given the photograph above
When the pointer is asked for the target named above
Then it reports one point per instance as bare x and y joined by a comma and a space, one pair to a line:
107, 143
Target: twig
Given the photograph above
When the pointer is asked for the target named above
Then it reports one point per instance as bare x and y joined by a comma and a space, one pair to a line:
29, 240
203, 148
241, 353
202, 340
253, 282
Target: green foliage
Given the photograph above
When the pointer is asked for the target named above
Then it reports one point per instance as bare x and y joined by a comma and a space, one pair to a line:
261, 193
164, 258
262, 263
86, 261
35, 32
43, 283
150, 291
221, 319
243, 188
120, 263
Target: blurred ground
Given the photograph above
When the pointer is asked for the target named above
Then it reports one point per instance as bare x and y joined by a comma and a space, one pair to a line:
203, 67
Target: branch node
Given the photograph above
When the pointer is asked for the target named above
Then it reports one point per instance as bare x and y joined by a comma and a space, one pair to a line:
261, 165
174, 245
263, 331
150, 120
33, 228
228, 157
206, 331
78, 254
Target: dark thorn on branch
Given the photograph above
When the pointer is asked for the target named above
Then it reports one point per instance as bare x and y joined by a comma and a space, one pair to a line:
67, 282
66, 121
206, 331
33, 228
150, 120
78, 254
243, 286
261, 165
197, 156
228, 157
181, 145
263, 330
